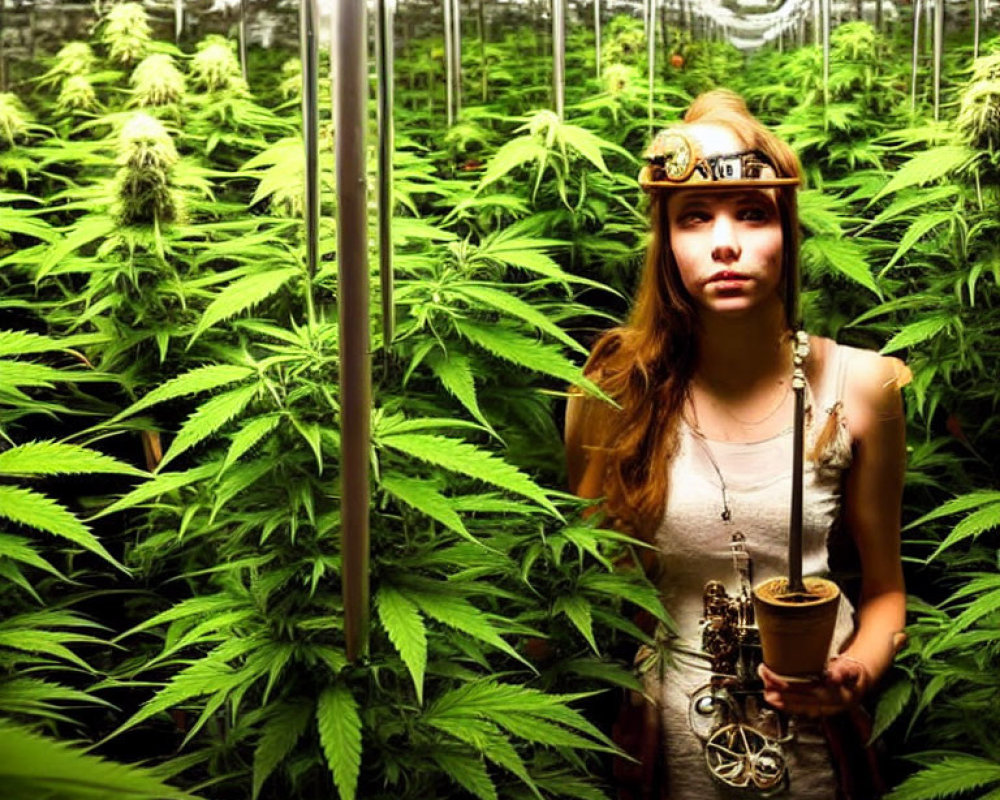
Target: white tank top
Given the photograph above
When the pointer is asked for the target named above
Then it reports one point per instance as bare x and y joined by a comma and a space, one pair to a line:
693, 540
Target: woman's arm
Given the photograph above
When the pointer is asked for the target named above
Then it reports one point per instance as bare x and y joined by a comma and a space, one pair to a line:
872, 509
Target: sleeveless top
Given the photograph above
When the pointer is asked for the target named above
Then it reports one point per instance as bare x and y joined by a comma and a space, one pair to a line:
694, 542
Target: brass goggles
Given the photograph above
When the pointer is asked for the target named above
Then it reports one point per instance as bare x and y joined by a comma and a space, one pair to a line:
675, 162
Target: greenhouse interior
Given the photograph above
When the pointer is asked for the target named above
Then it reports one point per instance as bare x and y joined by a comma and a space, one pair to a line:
296, 297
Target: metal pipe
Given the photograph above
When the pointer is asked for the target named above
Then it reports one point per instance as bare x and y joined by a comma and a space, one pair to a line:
879, 17
481, 25
976, 11
597, 37
651, 58
938, 49
798, 384
916, 47
449, 64
309, 52
384, 63
826, 54
178, 20
559, 55
351, 110
3, 50
817, 25
456, 54
243, 40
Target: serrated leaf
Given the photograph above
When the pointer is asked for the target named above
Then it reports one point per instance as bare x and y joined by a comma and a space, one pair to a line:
421, 496
586, 143
455, 373
35, 510
467, 771
954, 775
919, 228
927, 166
516, 307
577, 608
160, 484
467, 459
921, 199
841, 256
248, 437
509, 156
405, 627
278, 737
241, 295
979, 521
890, 705
54, 458
207, 419
917, 332
34, 766
340, 735
201, 379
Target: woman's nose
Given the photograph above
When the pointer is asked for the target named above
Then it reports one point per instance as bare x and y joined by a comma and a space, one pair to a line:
725, 243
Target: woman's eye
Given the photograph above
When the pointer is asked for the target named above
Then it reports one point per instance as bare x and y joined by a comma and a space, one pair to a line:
755, 214
693, 217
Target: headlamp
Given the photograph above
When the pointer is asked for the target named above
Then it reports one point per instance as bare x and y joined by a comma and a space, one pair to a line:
676, 162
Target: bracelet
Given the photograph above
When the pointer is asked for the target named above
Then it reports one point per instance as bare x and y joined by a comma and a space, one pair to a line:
864, 667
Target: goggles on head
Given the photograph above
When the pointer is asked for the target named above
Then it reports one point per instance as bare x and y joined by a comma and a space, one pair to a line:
676, 162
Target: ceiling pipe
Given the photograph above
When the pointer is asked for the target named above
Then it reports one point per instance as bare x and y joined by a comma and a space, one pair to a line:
351, 111
384, 65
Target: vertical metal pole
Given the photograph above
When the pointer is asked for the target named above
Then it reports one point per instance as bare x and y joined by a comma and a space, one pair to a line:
449, 64
976, 10
559, 55
928, 25
243, 41
938, 48
916, 47
798, 384
481, 16
3, 50
351, 111
597, 37
456, 54
879, 21
178, 19
651, 58
817, 24
309, 52
384, 61
826, 53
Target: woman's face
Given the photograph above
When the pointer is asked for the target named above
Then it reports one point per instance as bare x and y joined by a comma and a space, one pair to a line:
727, 245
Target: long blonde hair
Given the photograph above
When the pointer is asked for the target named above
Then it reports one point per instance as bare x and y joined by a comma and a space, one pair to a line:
647, 363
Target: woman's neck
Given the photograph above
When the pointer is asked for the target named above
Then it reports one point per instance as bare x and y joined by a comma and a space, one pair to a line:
739, 352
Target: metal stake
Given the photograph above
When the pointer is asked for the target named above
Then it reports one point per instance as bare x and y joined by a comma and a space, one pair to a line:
243, 40
597, 37
351, 111
916, 47
384, 61
559, 55
449, 63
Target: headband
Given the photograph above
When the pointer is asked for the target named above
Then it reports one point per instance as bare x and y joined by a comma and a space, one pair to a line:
676, 162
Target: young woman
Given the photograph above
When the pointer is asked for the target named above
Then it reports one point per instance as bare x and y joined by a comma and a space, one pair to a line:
697, 459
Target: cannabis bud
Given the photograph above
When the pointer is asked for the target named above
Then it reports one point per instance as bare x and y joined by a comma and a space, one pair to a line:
291, 78
75, 58
215, 66
617, 78
157, 81
144, 185
15, 120
77, 94
126, 33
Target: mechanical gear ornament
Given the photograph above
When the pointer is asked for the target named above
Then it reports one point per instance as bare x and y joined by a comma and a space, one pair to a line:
743, 738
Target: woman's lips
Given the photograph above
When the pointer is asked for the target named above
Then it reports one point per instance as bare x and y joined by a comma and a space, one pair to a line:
728, 276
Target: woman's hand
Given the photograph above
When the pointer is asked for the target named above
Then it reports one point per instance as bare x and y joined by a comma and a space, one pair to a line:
844, 683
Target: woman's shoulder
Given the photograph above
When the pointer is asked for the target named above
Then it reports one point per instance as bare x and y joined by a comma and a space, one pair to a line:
869, 382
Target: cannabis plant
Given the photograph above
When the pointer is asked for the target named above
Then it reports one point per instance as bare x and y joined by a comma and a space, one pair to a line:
126, 33
156, 81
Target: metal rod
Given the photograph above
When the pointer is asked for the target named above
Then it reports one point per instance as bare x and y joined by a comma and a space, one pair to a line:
597, 37
481, 25
178, 19
559, 55
879, 16
938, 49
3, 49
456, 54
976, 11
309, 52
916, 48
651, 58
384, 62
817, 25
798, 384
825, 4
351, 110
449, 64
243, 40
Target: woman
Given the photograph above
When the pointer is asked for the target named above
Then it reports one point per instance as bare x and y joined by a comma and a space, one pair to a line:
697, 459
